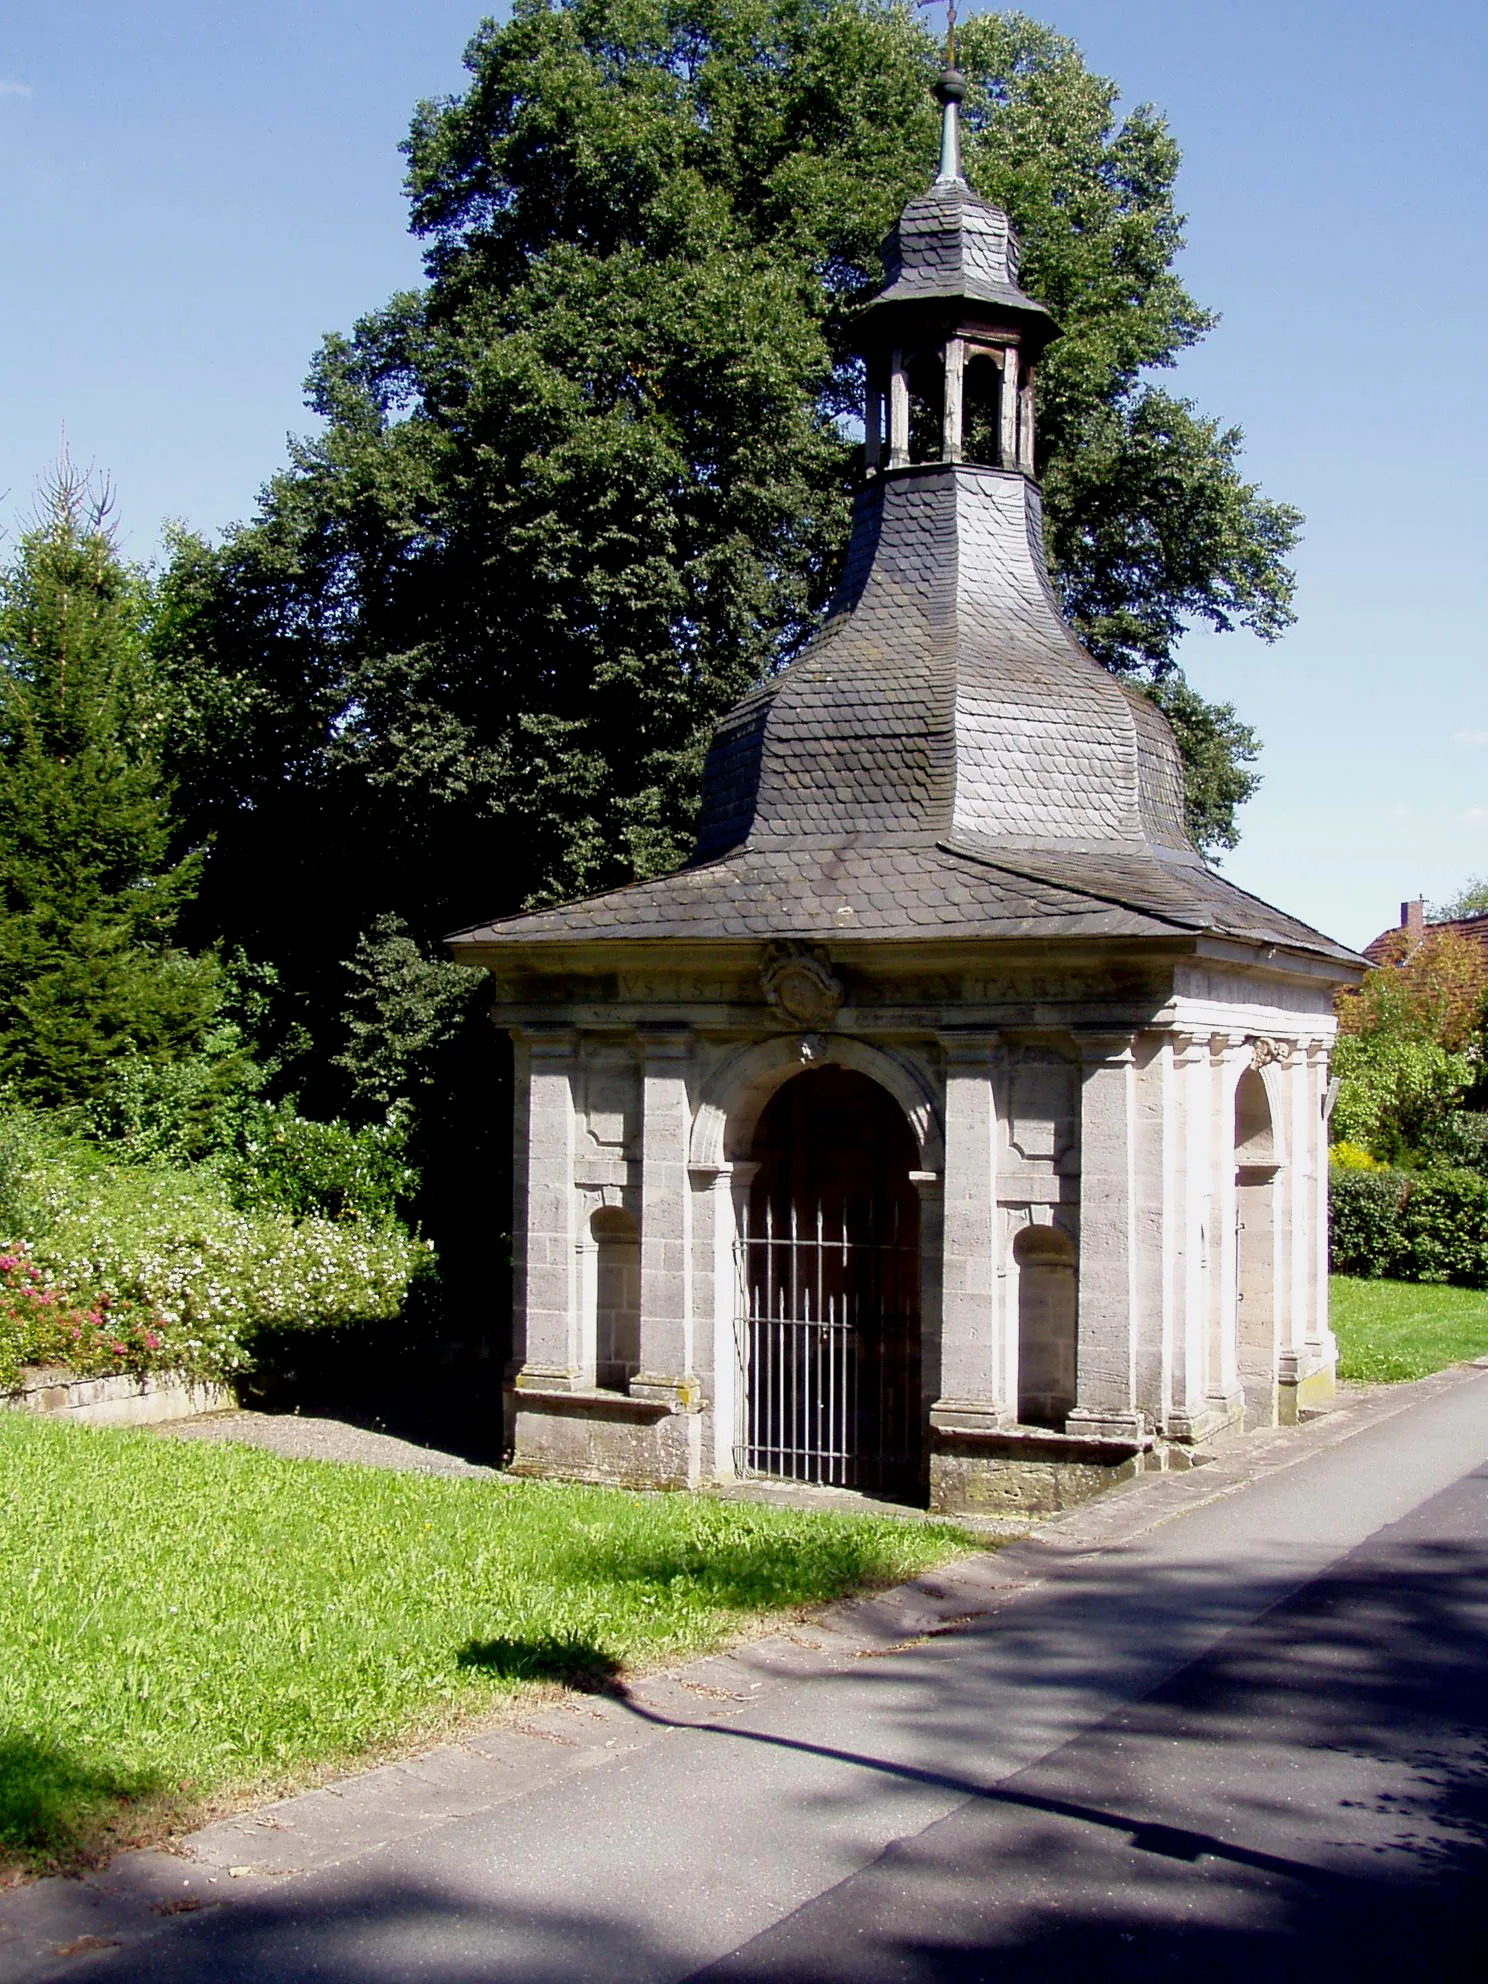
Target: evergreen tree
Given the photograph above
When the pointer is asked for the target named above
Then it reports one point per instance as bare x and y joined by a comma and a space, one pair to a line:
89, 890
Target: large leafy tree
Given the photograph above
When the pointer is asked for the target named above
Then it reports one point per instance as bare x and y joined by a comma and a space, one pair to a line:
574, 496
90, 885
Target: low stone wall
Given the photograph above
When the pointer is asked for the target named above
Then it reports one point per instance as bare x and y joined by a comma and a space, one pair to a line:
606, 1437
116, 1401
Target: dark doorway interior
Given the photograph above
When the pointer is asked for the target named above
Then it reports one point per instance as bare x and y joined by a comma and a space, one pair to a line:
830, 1338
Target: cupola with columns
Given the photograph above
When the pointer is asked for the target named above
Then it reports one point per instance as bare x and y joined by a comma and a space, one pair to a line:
951, 343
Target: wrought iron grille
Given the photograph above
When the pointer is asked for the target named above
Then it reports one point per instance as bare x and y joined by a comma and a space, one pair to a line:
829, 1347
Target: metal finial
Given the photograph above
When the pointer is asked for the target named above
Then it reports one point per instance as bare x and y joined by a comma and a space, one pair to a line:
950, 88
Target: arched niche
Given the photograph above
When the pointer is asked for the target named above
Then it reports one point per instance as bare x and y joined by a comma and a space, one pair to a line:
1047, 1325
617, 1298
1257, 1161
1255, 1124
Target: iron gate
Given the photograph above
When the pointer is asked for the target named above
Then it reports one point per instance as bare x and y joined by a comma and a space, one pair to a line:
829, 1348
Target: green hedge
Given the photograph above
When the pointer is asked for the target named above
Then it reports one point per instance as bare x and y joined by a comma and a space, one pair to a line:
1410, 1226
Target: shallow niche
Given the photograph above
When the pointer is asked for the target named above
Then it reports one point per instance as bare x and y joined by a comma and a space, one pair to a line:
1047, 1312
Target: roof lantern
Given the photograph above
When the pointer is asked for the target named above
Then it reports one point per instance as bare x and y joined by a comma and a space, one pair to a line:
944, 757
951, 340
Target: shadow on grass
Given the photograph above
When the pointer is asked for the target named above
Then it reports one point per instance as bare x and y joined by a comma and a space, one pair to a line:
57, 1810
566, 1658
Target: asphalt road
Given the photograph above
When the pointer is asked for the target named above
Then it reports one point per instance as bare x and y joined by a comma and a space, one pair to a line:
1247, 1743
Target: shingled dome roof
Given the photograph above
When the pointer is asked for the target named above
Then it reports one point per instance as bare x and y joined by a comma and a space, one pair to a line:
944, 759
949, 244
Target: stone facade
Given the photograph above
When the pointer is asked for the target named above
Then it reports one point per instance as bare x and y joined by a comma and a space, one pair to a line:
943, 853
1089, 1220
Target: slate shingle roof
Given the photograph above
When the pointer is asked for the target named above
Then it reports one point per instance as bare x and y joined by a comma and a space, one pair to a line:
945, 759
950, 245
900, 891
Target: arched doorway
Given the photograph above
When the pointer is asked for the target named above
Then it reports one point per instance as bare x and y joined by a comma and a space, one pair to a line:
829, 1338
1256, 1163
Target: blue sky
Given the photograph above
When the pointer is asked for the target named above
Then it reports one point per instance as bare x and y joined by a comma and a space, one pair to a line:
193, 195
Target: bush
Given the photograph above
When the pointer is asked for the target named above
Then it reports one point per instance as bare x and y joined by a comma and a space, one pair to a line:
1352, 1157
1427, 1226
1366, 1233
1393, 1089
91, 1334
1446, 1226
1462, 1141
287, 1163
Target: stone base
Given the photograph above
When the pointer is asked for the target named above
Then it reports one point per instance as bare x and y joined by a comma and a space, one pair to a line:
1217, 1419
1296, 1396
116, 1401
1028, 1470
1263, 1404
605, 1437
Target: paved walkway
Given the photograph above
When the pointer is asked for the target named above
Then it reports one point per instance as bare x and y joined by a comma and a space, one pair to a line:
299, 1436
1228, 1723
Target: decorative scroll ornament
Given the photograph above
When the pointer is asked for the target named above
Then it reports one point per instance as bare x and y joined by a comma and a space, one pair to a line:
799, 982
1263, 1052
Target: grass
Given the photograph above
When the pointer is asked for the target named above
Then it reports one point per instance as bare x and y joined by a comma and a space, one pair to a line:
184, 1622
1389, 1331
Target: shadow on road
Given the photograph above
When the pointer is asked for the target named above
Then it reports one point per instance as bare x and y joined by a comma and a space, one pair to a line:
1305, 1801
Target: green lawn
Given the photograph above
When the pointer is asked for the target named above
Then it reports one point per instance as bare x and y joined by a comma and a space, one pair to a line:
183, 1619
1391, 1330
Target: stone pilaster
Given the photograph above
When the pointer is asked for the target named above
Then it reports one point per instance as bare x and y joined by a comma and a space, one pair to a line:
666, 1218
550, 1295
1226, 1399
1315, 1361
1106, 1405
1152, 1316
931, 1188
973, 1351
1190, 1174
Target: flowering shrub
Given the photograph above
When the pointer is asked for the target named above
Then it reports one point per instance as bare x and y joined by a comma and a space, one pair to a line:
1353, 1157
94, 1335
190, 1273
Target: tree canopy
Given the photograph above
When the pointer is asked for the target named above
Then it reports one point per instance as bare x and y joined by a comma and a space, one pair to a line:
584, 488
1470, 900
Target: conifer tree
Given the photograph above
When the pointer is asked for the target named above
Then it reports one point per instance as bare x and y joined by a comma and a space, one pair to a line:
90, 889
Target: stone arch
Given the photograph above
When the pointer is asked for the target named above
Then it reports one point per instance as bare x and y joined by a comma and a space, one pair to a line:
981, 417
735, 1095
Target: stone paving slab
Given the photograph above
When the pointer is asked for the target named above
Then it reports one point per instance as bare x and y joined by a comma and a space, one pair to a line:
51, 1928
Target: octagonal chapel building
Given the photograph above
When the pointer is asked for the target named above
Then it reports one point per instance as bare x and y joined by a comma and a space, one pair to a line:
945, 1128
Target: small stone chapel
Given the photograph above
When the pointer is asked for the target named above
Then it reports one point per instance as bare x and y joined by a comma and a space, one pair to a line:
945, 1129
